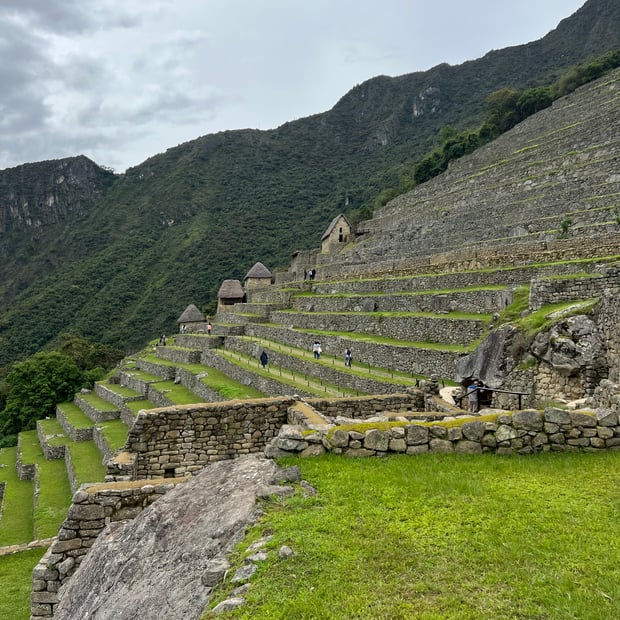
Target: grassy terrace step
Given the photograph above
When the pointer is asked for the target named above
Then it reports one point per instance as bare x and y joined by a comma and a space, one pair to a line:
489, 298
96, 407
451, 328
502, 275
114, 433
53, 495
86, 459
75, 423
213, 378
412, 358
17, 509
296, 381
381, 375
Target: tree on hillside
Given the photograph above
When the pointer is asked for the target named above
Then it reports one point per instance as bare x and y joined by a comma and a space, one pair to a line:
87, 354
35, 387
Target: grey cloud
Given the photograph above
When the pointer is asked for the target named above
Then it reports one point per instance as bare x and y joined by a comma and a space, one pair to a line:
67, 16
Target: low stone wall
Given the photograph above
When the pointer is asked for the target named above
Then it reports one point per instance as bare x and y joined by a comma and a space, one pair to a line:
608, 319
102, 444
523, 432
180, 355
70, 470
135, 383
192, 382
118, 400
181, 440
553, 291
50, 452
93, 508
365, 407
426, 329
25, 471
92, 412
76, 434
165, 372
157, 395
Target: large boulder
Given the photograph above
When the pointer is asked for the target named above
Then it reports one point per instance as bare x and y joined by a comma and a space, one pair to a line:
164, 563
571, 345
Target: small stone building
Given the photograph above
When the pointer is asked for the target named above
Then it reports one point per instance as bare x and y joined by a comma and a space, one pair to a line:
230, 293
258, 277
337, 233
192, 320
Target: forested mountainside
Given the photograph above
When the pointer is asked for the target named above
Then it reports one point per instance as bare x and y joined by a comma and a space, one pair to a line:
118, 257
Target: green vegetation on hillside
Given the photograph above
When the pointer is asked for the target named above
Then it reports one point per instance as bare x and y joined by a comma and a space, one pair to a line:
122, 264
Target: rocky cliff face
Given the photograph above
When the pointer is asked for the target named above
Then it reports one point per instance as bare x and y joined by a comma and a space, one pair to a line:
37, 195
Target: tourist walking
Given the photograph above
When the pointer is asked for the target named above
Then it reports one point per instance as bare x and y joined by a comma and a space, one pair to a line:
316, 350
348, 358
263, 359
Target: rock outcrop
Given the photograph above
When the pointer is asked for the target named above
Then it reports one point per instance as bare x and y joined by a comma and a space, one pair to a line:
164, 563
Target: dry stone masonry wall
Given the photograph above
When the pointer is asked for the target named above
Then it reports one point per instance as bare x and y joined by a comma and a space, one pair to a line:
93, 507
523, 432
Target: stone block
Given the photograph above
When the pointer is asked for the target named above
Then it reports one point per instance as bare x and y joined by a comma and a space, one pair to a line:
398, 445
86, 512
557, 416
505, 433
376, 440
417, 435
465, 446
339, 438
583, 420
474, 431
440, 445
455, 433
419, 449
528, 419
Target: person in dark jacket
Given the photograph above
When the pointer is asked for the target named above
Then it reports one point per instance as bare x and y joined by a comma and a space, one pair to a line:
263, 359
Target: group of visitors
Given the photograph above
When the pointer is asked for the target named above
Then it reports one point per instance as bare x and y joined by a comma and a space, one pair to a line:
309, 275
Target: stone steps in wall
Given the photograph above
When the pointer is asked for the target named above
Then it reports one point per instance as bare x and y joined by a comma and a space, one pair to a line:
362, 379
449, 328
408, 357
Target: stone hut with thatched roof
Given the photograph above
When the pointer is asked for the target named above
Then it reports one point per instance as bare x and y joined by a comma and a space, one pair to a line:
337, 233
258, 277
192, 320
230, 293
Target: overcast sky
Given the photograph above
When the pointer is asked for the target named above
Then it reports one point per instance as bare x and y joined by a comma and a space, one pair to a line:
121, 80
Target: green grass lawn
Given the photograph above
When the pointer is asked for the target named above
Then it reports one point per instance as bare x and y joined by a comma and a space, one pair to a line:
16, 582
54, 490
75, 416
16, 515
443, 537
115, 433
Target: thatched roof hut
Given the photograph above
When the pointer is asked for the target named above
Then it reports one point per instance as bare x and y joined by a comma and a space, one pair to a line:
230, 293
192, 320
258, 276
